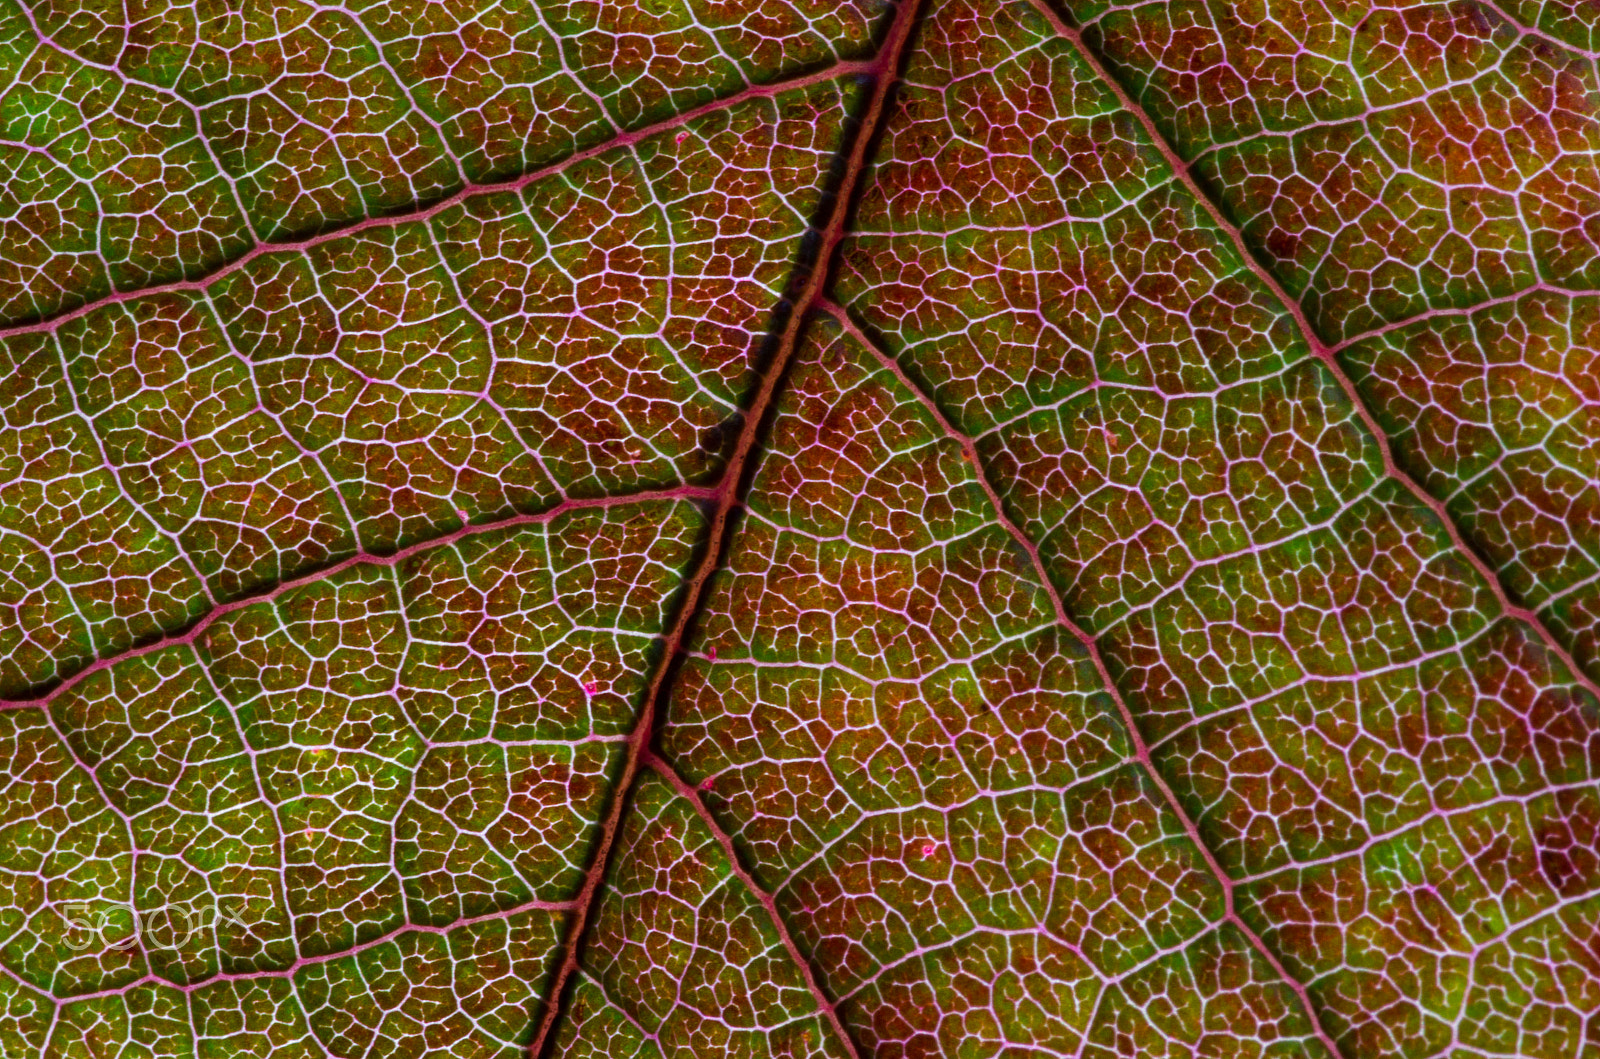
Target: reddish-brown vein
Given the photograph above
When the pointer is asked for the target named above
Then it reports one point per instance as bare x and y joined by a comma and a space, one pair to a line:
1322, 351
467, 191
685, 790
883, 69
1141, 750
194, 631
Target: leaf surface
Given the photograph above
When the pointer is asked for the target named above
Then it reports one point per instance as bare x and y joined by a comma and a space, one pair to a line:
704, 528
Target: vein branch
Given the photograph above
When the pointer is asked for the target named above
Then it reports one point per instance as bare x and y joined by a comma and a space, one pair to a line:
289, 970
1459, 311
1325, 353
1544, 37
466, 191
687, 791
193, 632
1141, 750
808, 286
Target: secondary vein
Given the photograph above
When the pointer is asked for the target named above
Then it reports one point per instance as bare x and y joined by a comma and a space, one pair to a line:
422, 213
1141, 749
1324, 352
192, 632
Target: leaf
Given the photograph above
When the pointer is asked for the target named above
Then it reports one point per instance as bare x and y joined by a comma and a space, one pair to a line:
701, 528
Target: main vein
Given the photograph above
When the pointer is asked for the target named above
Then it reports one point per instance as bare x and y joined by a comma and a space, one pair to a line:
810, 283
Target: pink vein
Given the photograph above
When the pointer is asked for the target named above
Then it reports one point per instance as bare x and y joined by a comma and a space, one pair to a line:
1463, 310
1141, 750
1323, 352
193, 632
299, 962
625, 139
725, 840
1536, 33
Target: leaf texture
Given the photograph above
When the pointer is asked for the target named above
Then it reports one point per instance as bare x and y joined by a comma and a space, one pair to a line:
703, 528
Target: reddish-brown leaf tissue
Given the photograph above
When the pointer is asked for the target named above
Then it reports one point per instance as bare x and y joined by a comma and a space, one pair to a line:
894, 528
